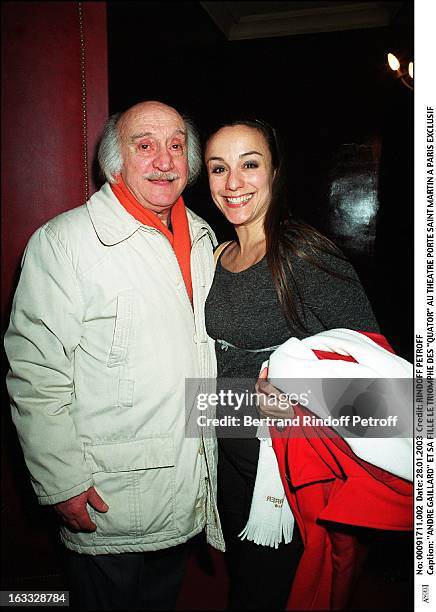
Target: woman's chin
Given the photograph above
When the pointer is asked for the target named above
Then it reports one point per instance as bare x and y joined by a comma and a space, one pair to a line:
237, 216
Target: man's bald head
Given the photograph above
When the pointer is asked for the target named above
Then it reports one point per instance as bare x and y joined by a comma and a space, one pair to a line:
149, 107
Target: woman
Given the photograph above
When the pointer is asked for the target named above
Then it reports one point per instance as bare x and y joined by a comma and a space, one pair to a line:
278, 279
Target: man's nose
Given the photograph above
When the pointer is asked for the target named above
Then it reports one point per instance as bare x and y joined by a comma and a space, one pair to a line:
234, 180
163, 160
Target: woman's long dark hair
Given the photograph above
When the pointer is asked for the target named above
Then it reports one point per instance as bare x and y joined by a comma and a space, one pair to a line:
287, 237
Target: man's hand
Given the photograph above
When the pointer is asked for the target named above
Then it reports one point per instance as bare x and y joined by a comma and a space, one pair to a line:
74, 513
272, 402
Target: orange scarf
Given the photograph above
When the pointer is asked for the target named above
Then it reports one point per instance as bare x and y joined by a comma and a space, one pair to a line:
180, 239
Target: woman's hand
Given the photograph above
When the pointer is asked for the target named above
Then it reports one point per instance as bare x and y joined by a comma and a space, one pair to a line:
272, 402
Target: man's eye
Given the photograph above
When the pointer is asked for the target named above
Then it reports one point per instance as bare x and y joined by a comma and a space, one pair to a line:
177, 146
144, 146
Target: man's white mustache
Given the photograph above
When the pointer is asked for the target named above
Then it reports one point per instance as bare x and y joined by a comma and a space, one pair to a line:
162, 176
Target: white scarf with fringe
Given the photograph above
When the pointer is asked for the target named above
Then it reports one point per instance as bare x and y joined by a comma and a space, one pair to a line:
270, 521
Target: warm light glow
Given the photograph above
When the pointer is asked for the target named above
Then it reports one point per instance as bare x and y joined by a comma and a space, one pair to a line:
394, 64
411, 69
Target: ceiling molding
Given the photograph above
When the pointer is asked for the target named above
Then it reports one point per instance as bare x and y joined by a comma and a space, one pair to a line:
247, 20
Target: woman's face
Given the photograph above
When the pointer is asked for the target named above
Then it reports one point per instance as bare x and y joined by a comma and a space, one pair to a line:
240, 173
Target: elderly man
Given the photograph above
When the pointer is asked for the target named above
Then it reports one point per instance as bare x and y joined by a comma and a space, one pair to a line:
107, 323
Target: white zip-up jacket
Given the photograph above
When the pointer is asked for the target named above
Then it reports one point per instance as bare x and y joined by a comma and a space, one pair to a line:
101, 339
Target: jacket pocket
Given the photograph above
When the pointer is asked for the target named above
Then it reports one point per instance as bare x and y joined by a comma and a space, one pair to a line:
136, 480
123, 324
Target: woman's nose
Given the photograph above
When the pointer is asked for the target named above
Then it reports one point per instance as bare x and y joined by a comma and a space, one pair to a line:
234, 180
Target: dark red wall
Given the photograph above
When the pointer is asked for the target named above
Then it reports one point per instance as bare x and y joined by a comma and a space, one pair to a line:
43, 174
42, 141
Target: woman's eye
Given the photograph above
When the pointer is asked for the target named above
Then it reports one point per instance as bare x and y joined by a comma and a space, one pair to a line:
217, 170
251, 164
144, 146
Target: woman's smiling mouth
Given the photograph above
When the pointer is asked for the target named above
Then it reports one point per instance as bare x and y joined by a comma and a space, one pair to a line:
237, 202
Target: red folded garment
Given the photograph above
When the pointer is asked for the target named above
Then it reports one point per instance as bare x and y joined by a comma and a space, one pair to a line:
330, 489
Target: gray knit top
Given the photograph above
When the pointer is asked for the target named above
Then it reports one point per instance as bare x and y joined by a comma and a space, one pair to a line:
242, 308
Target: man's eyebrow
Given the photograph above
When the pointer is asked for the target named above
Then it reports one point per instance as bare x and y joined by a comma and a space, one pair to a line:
141, 135
144, 134
242, 155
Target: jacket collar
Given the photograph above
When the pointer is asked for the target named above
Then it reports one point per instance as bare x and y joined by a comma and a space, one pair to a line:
197, 225
113, 224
